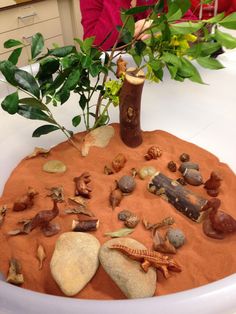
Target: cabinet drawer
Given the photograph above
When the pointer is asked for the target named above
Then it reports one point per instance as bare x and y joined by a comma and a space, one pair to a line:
23, 60
48, 29
17, 17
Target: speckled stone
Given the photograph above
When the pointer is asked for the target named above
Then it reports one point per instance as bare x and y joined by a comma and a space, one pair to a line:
74, 261
125, 272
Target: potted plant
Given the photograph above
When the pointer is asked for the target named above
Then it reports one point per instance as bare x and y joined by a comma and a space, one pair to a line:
171, 44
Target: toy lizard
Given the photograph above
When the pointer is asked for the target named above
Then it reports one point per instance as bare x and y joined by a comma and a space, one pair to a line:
149, 258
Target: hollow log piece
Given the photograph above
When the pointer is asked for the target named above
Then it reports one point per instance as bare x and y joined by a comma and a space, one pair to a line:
130, 102
185, 201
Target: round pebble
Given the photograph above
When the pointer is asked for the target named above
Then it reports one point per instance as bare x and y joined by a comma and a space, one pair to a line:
126, 184
176, 237
124, 214
193, 177
188, 165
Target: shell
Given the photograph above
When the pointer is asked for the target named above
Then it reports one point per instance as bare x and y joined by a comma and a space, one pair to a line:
124, 214
193, 177
153, 153
132, 221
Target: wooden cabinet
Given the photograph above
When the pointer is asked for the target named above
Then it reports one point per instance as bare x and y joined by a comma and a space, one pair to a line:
23, 21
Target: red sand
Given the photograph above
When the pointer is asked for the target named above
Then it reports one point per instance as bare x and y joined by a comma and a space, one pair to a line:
203, 259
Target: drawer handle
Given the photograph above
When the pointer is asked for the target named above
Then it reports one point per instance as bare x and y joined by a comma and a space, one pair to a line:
22, 17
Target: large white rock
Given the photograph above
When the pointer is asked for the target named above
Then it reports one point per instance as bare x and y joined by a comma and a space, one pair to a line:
125, 272
74, 261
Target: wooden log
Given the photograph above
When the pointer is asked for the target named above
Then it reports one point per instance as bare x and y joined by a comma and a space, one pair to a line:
130, 102
187, 202
85, 225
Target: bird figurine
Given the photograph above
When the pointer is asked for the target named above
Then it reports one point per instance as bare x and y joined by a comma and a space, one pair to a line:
220, 221
213, 184
43, 218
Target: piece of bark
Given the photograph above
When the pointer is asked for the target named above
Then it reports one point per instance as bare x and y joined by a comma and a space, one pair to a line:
15, 276
85, 225
187, 202
130, 103
3, 211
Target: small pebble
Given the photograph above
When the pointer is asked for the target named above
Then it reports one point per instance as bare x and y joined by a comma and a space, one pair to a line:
124, 214
172, 166
184, 157
188, 165
176, 237
193, 177
126, 184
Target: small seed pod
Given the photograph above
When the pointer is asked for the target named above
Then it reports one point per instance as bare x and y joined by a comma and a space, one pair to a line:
181, 181
176, 237
132, 221
126, 184
153, 153
184, 157
193, 177
146, 171
188, 165
115, 198
118, 162
124, 214
172, 166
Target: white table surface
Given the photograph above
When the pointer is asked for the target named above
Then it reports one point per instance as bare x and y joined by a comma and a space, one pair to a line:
202, 114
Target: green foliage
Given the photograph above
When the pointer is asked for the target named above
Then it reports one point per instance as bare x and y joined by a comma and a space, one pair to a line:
63, 71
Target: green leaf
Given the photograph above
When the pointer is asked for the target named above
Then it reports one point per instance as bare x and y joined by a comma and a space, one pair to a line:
27, 82
203, 49
185, 27
76, 121
14, 56
47, 67
86, 61
8, 70
171, 59
33, 103
32, 113
62, 51
174, 12
215, 19
73, 79
229, 21
82, 102
126, 36
138, 9
87, 44
44, 129
226, 40
95, 69
63, 95
37, 45
129, 22
140, 46
11, 103
184, 6
188, 70
12, 43
210, 63
123, 232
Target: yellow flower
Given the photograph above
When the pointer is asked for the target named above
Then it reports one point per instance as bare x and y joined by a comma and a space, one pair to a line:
190, 37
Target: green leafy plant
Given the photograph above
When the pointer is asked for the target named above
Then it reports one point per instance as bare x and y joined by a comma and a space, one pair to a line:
172, 44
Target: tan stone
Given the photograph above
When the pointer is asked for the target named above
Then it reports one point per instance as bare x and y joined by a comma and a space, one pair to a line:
74, 261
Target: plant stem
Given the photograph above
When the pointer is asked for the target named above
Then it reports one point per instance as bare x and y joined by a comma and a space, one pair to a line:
103, 112
108, 65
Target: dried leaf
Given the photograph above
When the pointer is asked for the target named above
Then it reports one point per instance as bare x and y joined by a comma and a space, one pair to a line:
54, 166
3, 211
41, 255
108, 171
79, 200
38, 151
123, 232
165, 222
14, 273
99, 137
80, 210
57, 193
162, 245
82, 187
15, 232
